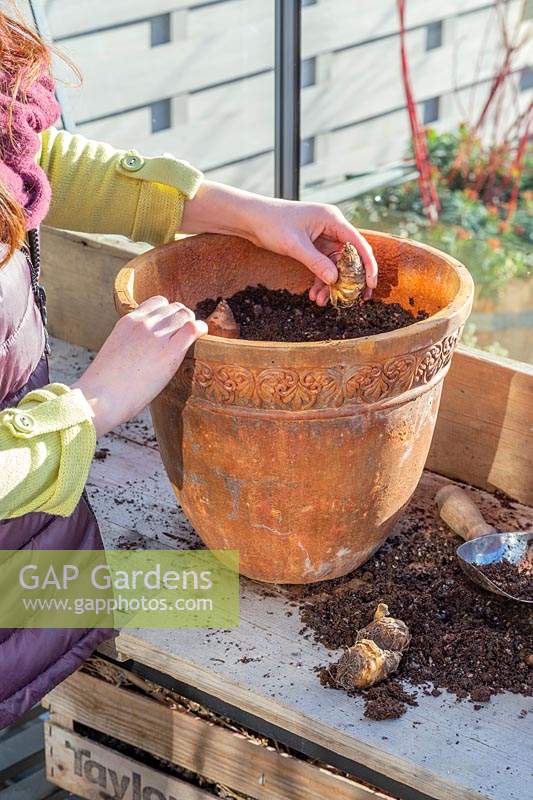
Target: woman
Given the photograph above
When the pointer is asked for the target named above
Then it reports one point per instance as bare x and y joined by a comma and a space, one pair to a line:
48, 431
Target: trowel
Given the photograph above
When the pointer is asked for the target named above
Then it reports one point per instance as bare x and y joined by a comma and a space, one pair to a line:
483, 544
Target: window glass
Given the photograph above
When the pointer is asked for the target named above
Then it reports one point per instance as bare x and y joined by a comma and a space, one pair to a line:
354, 114
187, 77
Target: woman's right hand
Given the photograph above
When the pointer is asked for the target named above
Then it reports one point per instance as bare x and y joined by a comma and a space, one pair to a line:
137, 360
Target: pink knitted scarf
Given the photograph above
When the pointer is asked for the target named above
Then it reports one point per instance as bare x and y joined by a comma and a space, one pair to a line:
19, 145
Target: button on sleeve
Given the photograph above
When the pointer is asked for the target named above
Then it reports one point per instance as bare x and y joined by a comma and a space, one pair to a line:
18, 423
53, 408
165, 170
132, 162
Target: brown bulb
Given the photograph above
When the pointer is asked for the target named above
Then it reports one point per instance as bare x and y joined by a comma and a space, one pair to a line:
387, 632
376, 654
351, 283
222, 322
365, 664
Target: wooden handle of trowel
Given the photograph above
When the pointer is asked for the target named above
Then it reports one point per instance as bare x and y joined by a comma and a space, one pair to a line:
460, 513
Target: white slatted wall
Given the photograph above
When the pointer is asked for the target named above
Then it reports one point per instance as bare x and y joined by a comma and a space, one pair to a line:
212, 82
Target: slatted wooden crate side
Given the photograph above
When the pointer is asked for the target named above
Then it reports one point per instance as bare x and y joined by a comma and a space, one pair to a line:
218, 754
484, 432
92, 771
79, 273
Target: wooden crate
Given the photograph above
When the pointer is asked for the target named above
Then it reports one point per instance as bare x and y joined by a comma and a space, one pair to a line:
171, 733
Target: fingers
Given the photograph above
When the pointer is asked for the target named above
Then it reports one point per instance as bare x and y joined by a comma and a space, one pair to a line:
180, 341
323, 296
315, 288
319, 264
149, 306
163, 318
183, 338
345, 232
170, 318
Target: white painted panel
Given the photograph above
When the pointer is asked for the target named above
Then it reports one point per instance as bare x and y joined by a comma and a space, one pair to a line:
214, 19
23, 7
125, 131
358, 149
229, 40
366, 81
255, 174
327, 25
235, 120
122, 71
68, 17
331, 24
226, 41
223, 124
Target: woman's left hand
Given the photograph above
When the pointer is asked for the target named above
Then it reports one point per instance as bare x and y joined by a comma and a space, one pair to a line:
311, 233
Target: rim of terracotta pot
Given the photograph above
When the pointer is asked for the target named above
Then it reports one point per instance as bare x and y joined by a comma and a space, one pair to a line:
448, 318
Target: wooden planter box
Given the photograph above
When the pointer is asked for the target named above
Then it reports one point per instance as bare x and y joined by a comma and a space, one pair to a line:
245, 763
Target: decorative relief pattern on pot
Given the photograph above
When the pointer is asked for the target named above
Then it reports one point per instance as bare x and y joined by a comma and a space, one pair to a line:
303, 389
299, 391
436, 358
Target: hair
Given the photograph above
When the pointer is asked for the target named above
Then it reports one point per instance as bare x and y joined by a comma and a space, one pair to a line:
24, 57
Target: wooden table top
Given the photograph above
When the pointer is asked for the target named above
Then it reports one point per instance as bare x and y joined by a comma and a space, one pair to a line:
442, 748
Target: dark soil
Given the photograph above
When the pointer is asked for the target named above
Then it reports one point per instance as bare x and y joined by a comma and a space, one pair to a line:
508, 577
464, 639
388, 700
101, 454
270, 315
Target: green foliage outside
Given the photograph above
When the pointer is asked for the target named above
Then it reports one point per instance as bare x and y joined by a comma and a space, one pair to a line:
473, 223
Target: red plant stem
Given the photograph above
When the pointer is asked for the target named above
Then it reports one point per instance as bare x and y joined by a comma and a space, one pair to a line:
488, 177
498, 82
428, 192
526, 118
516, 172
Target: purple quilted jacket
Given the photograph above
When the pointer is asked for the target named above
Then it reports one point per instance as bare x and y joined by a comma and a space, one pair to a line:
32, 661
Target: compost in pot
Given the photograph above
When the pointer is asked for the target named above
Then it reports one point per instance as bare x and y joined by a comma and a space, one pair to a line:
276, 315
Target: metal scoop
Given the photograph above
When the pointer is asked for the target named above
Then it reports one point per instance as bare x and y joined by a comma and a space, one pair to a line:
483, 544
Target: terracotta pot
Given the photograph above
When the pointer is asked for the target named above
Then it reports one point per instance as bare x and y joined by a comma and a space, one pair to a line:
300, 456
